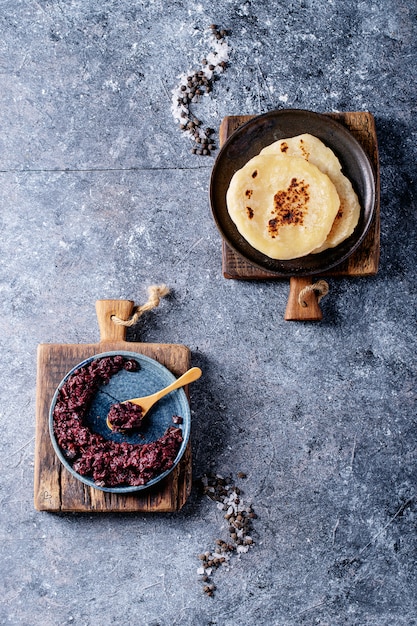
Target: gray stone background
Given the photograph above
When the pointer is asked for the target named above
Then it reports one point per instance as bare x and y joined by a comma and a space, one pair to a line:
101, 197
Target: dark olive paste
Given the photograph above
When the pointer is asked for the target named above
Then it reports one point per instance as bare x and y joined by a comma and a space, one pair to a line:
108, 463
125, 416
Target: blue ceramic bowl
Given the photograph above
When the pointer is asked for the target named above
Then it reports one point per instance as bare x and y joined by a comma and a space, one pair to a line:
150, 377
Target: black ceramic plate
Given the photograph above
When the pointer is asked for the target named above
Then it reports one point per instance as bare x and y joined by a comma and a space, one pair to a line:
149, 378
248, 140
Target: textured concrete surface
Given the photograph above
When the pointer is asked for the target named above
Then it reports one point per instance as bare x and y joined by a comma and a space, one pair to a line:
101, 197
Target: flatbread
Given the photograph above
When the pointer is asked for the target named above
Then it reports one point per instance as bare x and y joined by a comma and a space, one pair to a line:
284, 206
313, 150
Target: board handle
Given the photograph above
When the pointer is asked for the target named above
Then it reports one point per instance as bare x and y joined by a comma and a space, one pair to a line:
305, 308
105, 309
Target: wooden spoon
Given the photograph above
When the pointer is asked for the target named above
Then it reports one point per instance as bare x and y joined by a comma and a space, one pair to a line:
147, 402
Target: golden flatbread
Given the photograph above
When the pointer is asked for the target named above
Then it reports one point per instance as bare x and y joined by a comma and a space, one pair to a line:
313, 150
284, 206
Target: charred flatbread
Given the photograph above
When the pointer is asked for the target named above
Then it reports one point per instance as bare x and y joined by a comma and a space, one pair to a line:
314, 151
284, 206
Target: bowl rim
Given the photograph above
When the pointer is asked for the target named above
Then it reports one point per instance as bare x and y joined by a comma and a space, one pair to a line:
185, 426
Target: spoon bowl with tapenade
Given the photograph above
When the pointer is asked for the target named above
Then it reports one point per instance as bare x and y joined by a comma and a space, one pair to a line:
130, 414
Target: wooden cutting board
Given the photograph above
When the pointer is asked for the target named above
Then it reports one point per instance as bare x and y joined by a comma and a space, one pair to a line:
363, 262
55, 489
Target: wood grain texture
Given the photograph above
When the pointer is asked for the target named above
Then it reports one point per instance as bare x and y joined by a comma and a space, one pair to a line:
365, 260
306, 310
55, 489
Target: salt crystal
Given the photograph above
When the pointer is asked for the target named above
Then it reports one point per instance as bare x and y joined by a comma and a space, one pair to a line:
180, 110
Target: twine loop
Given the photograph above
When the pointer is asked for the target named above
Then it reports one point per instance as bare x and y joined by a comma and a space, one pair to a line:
156, 292
320, 288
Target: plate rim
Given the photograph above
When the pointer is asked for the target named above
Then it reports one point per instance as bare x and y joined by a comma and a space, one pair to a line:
185, 426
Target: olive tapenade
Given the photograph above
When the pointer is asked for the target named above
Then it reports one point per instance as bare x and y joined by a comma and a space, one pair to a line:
125, 416
108, 463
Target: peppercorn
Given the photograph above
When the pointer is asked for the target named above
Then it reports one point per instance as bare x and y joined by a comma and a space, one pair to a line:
238, 518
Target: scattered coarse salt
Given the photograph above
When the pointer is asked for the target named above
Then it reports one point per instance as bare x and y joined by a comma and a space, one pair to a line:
193, 85
239, 516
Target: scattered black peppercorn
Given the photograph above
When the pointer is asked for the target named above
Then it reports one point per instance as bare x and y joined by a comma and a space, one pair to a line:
199, 83
239, 516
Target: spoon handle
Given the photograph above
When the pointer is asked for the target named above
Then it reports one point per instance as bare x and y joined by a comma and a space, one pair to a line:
188, 377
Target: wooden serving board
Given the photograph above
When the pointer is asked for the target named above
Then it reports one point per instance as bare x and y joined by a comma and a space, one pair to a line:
55, 489
363, 262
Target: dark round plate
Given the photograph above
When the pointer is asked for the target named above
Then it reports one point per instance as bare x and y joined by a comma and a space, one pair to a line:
249, 139
149, 378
